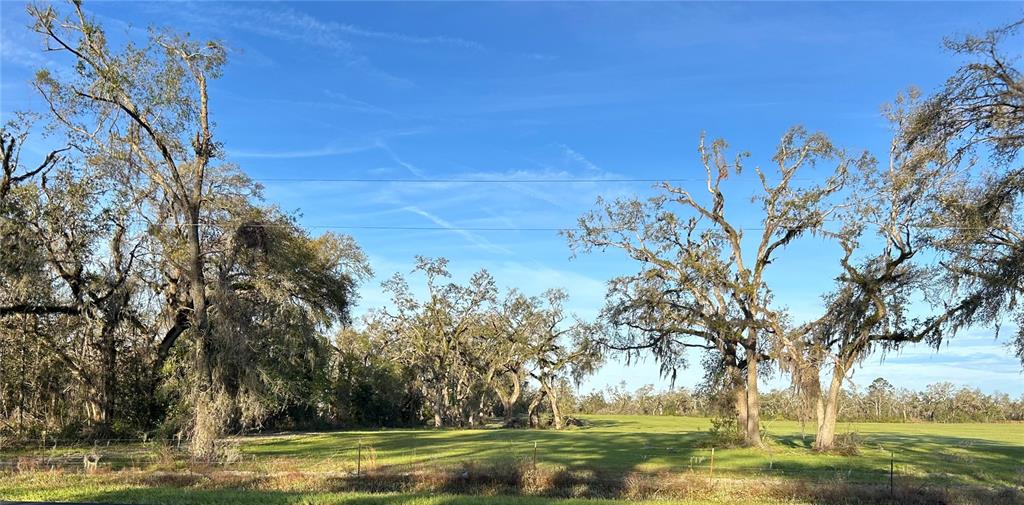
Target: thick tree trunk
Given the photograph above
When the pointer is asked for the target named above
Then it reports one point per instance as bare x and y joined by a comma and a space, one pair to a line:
753, 433
100, 382
531, 411
477, 417
97, 414
109, 395
508, 401
517, 391
101, 408
825, 438
108, 383
828, 412
207, 423
438, 408
197, 286
740, 392
556, 413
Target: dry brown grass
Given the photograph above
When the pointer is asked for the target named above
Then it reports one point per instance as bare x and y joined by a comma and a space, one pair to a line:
519, 478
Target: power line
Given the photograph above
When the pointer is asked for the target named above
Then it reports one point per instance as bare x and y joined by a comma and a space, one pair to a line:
396, 228
467, 181
470, 228
431, 228
374, 227
474, 181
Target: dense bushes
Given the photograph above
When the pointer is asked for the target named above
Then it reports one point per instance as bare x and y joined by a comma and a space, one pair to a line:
367, 389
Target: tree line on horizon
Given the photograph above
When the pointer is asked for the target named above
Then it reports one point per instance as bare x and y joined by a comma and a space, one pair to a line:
879, 401
145, 284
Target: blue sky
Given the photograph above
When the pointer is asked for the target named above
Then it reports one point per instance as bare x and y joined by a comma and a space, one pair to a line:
542, 91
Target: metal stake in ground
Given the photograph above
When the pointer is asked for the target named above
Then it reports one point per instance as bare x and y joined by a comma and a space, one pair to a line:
711, 474
535, 457
359, 458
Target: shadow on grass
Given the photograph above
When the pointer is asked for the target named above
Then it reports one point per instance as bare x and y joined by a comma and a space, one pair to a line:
922, 457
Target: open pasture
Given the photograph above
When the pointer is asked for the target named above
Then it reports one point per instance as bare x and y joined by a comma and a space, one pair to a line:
960, 453
307, 467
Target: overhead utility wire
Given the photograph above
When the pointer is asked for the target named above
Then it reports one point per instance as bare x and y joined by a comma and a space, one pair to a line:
458, 228
472, 181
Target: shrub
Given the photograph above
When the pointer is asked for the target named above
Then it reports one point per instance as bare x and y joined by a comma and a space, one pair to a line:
724, 432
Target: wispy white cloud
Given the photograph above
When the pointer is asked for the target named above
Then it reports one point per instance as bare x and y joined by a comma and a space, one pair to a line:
405, 37
544, 101
578, 158
539, 56
342, 100
586, 294
473, 238
317, 152
554, 195
16, 53
332, 100
280, 23
413, 169
377, 140
292, 25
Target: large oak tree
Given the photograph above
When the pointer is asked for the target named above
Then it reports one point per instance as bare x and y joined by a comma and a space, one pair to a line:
701, 282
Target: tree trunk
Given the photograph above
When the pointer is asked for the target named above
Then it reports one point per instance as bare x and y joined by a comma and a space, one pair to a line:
97, 415
207, 425
101, 408
438, 407
556, 414
740, 392
108, 383
477, 417
197, 286
534, 417
508, 401
753, 434
517, 391
828, 412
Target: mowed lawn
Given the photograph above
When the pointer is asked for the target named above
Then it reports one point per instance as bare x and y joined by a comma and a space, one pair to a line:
971, 453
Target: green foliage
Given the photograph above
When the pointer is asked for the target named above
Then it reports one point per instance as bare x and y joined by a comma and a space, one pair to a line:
367, 389
975, 124
145, 285
141, 278
724, 432
879, 402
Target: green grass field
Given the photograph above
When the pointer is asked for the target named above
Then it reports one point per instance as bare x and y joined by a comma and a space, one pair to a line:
989, 456
963, 453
